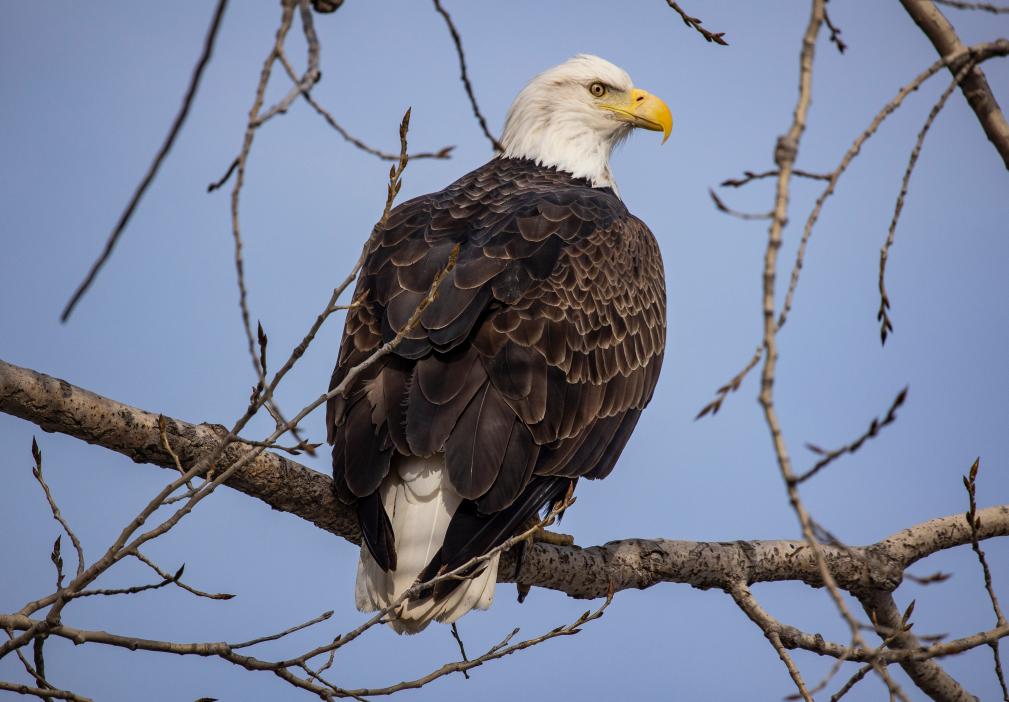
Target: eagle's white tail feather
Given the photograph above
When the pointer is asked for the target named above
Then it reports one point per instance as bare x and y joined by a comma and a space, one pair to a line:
420, 502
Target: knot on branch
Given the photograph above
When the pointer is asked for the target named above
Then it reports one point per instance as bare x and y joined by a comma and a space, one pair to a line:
785, 151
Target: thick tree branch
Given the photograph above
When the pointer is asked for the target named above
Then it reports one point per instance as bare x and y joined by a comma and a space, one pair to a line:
57, 406
974, 85
927, 675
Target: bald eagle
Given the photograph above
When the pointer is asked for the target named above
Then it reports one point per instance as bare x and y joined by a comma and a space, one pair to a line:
531, 366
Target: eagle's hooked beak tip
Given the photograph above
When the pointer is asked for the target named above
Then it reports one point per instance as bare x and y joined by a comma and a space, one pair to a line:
651, 113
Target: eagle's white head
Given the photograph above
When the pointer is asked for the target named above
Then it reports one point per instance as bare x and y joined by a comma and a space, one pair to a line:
571, 116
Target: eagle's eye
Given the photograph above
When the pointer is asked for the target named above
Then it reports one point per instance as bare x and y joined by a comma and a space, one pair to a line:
597, 89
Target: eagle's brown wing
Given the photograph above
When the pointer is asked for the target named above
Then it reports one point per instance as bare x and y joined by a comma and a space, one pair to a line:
528, 370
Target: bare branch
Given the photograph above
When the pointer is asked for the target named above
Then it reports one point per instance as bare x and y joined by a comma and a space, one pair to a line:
273, 637
731, 386
695, 23
986, 6
56, 405
851, 682
176, 579
970, 483
785, 154
462, 647
929, 677
882, 316
124, 218
443, 153
722, 207
227, 652
464, 75
744, 599
974, 86
978, 53
749, 176
835, 32
874, 427
42, 693
57, 515
254, 121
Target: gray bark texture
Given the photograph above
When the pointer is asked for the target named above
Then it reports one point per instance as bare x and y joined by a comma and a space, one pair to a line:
57, 406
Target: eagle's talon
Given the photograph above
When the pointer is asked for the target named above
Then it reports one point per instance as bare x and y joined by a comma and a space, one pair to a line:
554, 537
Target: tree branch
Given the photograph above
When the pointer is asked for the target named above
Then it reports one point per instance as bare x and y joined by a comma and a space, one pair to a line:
927, 675
974, 85
57, 406
180, 118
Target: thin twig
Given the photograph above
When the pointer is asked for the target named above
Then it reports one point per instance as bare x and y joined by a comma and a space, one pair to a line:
986, 6
974, 86
722, 207
57, 515
254, 121
224, 178
443, 153
835, 667
464, 75
785, 154
695, 23
38, 692
979, 53
970, 483
883, 316
874, 428
731, 386
176, 579
39, 673
746, 602
124, 218
835, 32
462, 647
273, 637
280, 668
851, 682
749, 176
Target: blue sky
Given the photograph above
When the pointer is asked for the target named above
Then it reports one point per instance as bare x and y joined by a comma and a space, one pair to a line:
89, 92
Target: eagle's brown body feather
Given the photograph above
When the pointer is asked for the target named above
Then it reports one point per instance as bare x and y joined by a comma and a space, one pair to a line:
528, 370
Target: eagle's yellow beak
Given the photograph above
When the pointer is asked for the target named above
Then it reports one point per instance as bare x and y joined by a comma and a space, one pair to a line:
642, 109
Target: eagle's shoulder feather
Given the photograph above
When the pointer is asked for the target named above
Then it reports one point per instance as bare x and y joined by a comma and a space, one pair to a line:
541, 348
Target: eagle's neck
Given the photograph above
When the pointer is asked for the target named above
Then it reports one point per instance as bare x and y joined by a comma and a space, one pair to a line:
567, 144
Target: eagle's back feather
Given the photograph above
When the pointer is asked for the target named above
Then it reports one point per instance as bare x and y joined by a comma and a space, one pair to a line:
527, 371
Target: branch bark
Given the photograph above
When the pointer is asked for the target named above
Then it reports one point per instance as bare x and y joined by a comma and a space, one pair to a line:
927, 675
57, 406
974, 85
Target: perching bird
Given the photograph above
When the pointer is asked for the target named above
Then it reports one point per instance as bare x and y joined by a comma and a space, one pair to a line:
531, 366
